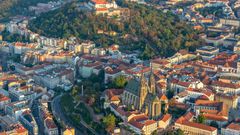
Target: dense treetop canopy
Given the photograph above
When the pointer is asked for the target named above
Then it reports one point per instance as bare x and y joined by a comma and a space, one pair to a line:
17, 7
147, 29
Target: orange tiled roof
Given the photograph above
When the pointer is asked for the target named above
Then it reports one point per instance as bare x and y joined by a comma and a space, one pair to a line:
189, 116
20, 44
166, 117
50, 123
136, 124
112, 71
115, 98
160, 61
200, 126
3, 98
140, 121
184, 120
234, 126
185, 84
207, 102
221, 107
101, 9
20, 130
163, 97
140, 117
99, 1
215, 117
149, 122
203, 97
113, 92
226, 85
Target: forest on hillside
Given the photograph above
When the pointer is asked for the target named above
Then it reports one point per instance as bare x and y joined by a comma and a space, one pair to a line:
149, 30
16, 7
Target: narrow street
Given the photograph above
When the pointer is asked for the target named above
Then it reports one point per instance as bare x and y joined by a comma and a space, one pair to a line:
35, 112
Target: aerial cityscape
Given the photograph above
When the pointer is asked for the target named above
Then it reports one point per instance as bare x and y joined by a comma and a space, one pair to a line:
119, 67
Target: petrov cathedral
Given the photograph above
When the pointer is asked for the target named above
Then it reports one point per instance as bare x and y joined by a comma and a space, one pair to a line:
141, 94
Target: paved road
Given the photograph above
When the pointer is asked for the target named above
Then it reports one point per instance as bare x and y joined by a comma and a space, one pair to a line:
35, 113
59, 115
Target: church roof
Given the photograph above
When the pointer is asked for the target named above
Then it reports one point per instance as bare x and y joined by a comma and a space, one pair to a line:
155, 98
133, 86
152, 98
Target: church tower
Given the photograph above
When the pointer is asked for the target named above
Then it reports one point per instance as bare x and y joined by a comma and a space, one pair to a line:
142, 91
152, 84
155, 108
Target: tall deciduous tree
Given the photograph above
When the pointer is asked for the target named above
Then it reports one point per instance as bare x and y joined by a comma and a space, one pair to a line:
109, 122
201, 118
120, 81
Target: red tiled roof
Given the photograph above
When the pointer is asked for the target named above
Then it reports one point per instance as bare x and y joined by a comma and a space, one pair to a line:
184, 120
149, 122
221, 107
203, 97
101, 9
21, 130
207, 103
184, 84
140, 117
163, 97
3, 98
214, 117
20, 44
99, 1
188, 116
166, 117
160, 61
136, 124
119, 109
24, 87
226, 85
140, 121
50, 123
234, 126
142, 69
95, 64
112, 71
113, 92
115, 98
200, 126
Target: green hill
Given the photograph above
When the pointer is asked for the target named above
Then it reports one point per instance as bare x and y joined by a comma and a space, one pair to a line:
16, 7
148, 30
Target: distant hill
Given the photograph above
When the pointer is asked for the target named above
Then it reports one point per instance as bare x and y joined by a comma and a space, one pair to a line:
148, 30
14, 7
